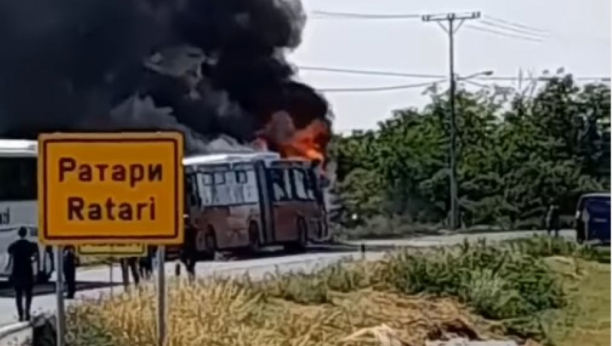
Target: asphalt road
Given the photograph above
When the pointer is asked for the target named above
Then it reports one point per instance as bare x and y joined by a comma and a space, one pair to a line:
93, 282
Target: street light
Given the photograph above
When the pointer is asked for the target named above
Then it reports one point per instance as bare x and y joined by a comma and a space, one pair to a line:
475, 75
454, 199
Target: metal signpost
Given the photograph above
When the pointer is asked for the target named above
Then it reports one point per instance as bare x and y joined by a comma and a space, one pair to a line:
105, 192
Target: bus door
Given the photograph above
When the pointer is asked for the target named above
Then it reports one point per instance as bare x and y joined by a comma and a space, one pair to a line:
284, 212
265, 189
229, 204
295, 207
596, 217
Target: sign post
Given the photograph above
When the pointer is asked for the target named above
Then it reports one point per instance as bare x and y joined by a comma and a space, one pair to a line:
97, 189
161, 296
112, 283
60, 323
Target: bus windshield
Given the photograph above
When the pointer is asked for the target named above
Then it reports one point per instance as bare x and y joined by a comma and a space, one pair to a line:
18, 178
599, 206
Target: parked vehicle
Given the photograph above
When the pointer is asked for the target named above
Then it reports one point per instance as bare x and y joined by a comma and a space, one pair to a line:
18, 202
592, 218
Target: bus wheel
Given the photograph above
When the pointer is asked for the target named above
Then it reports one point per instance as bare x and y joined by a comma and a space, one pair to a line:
254, 243
302, 233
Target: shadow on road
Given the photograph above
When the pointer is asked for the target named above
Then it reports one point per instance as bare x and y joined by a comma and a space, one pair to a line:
280, 252
6, 290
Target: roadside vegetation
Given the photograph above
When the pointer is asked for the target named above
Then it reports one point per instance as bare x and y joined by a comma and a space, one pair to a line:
518, 152
524, 289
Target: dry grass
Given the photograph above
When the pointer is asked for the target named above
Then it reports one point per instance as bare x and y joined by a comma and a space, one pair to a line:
223, 312
406, 299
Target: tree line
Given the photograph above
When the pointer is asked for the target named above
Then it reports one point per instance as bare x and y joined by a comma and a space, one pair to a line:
518, 152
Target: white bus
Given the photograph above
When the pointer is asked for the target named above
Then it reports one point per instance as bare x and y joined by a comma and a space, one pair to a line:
18, 202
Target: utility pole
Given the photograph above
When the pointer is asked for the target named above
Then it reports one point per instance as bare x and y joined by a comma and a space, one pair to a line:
454, 22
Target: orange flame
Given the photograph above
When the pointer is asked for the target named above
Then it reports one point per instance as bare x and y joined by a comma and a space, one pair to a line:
309, 143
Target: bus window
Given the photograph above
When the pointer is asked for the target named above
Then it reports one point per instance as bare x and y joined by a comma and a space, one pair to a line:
279, 190
226, 190
19, 177
312, 186
287, 178
207, 178
204, 187
219, 178
249, 186
241, 177
230, 178
299, 181
191, 192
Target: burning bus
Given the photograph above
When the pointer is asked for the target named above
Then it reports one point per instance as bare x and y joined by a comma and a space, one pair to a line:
214, 70
238, 202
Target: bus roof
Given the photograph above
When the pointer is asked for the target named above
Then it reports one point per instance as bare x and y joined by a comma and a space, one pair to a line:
230, 158
18, 147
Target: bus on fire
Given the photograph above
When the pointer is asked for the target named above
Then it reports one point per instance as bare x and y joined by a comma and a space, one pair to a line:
246, 201
233, 202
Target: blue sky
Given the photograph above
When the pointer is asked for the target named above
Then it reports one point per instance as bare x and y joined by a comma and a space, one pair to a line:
577, 38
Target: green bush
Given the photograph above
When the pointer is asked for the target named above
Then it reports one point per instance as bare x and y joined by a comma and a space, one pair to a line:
507, 282
545, 246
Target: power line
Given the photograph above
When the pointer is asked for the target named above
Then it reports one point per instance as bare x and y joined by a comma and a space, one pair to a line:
518, 25
511, 29
382, 88
366, 15
369, 72
432, 76
506, 34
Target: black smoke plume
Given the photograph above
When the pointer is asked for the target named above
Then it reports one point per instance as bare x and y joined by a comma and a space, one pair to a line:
214, 69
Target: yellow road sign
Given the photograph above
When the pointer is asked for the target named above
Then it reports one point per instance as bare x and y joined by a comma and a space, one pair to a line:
108, 250
118, 188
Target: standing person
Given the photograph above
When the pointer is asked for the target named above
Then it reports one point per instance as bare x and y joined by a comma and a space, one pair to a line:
146, 264
552, 220
555, 220
188, 253
70, 271
130, 264
22, 255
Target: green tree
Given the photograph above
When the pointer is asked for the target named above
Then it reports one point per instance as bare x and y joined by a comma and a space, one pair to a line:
515, 156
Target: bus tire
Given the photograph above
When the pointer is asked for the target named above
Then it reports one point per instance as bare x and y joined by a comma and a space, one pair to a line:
299, 245
254, 242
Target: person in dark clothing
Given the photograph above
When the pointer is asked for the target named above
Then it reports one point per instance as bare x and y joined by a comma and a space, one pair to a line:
146, 264
552, 220
22, 255
70, 271
130, 264
188, 253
